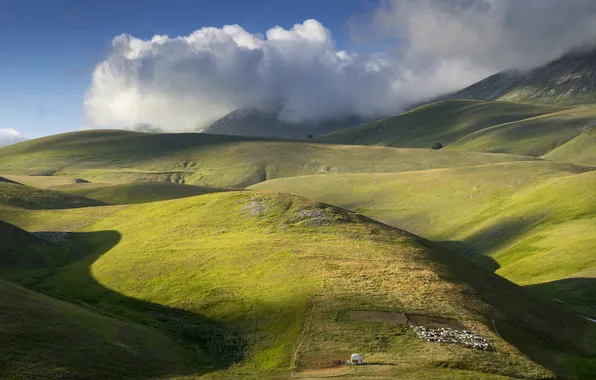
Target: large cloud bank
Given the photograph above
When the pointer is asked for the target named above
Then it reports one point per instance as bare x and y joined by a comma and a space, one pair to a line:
441, 45
9, 136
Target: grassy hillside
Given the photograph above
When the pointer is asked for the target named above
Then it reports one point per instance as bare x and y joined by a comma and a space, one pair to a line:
136, 192
43, 338
534, 136
22, 250
443, 122
512, 217
266, 281
580, 150
211, 160
21, 196
43, 182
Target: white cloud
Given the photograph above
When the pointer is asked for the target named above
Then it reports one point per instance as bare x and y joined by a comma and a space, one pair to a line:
181, 82
488, 34
9, 136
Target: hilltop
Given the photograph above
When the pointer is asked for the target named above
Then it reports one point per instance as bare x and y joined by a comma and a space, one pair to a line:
530, 222
279, 279
212, 160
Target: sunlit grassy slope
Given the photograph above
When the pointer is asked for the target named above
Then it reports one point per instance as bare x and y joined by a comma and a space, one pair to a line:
212, 160
580, 150
532, 222
443, 122
536, 136
264, 280
136, 192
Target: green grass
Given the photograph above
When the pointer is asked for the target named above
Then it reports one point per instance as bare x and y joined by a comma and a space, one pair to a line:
531, 222
444, 122
21, 196
212, 160
136, 192
579, 150
536, 136
42, 182
44, 338
257, 281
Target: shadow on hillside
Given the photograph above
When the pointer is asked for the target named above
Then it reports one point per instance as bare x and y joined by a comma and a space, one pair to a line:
498, 236
222, 345
549, 334
577, 294
477, 246
460, 248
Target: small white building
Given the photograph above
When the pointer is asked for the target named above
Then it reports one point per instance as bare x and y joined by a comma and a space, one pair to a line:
356, 359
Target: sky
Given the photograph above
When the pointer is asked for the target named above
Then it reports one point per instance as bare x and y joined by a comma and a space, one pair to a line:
68, 65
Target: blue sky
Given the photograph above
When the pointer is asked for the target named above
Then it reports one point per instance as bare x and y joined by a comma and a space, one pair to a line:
49, 48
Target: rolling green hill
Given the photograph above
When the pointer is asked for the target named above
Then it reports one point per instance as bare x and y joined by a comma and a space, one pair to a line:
21, 196
268, 281
136, 192
212, 160
43, 181
536, 136
443, 122
529, 221
579, 150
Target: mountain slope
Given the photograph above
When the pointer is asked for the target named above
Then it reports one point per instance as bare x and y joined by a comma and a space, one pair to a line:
258, 123
443, 122
212, 160
267, 281
528, 221
569, 80
534, 136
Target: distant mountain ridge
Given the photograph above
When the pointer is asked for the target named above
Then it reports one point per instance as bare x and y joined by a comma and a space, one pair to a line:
252, 122
569, 80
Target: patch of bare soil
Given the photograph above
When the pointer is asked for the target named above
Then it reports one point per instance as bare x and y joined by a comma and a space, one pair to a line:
433, 322
378, 316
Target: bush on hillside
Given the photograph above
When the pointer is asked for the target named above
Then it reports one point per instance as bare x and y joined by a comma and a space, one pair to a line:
437, 145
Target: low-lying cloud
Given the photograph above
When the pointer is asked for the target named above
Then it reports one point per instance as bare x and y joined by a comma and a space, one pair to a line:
182, 83
10, 136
